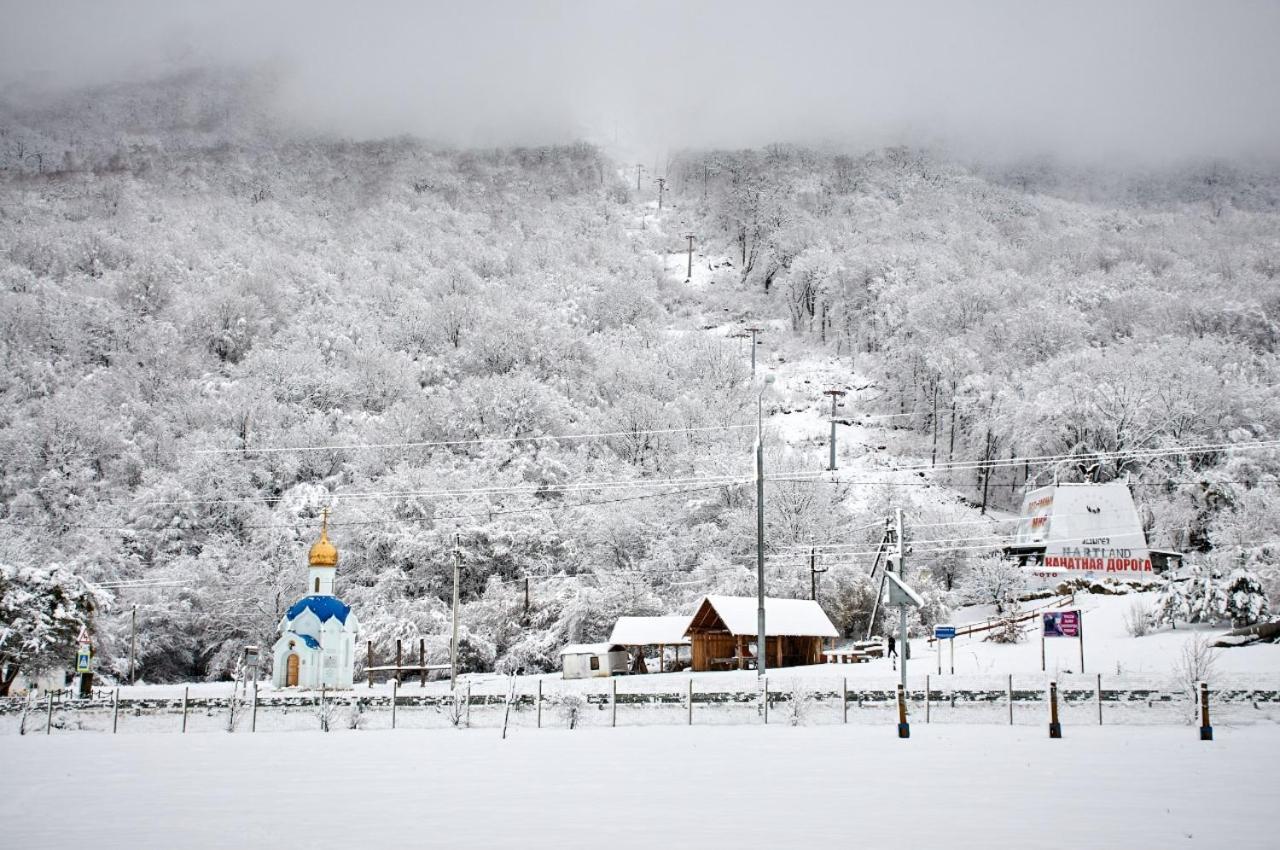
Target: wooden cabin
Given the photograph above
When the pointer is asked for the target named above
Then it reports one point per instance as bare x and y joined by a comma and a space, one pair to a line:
638, 634
723, 633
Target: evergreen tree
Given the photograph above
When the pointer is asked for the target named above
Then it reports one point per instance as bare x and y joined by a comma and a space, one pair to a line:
1246, 599
1207, 597
1171, 606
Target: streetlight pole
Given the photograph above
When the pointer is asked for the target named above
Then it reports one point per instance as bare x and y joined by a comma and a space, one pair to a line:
762, 640
835, 395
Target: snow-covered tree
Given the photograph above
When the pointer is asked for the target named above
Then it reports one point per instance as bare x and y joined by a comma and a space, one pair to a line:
41, 612
1246, 600
993, 581
1171, 605
1206, 596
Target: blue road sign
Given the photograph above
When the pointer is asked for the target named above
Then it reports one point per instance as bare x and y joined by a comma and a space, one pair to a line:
944, 632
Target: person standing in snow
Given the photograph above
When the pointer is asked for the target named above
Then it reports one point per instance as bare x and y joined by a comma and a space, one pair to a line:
893, 650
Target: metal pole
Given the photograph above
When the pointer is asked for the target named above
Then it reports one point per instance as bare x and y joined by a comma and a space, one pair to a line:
48, 715
903, 649
1098, 693
926, 698
766, 702
762, 640
253, 712
844, 698
115, 711
613, 702
133, 642
904, 729
539, 703
953, 656
1010, 699
688, 275
690, 700
453, 645
395, 689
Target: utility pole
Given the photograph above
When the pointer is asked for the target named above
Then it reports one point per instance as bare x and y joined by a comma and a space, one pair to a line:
638, 167
133, 642
453, 645
902, 610
688, 275
835, 396
814, 572
704, 182
753, 331
762, 639
526, 594
662, 187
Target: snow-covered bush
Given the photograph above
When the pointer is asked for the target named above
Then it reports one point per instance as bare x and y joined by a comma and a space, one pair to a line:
993, 581
1171, 605
571, 706
1137, 617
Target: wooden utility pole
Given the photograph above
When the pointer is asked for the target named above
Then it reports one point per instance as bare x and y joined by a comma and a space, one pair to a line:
688, 275
133, 642
638, 167
753, 330
662, 187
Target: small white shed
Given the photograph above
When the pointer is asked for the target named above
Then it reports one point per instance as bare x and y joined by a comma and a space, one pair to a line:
588, 660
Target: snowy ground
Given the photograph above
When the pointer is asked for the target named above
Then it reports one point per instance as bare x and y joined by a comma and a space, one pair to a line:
954, 787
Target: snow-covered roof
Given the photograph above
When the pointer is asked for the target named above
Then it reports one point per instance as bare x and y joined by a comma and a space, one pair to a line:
639, 631
323, 607
590, 649
790, 617
310, 642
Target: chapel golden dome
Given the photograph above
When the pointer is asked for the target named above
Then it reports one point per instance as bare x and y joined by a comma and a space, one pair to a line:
323, 553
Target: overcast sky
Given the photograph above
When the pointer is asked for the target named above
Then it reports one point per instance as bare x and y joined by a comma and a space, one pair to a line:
1155, 79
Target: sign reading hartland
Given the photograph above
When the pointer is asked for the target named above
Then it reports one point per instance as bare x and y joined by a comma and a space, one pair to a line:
1089, 529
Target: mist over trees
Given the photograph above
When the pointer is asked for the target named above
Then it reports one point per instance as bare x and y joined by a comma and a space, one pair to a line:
186, 289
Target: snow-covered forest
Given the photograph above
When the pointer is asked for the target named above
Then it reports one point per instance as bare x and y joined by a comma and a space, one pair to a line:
213, 326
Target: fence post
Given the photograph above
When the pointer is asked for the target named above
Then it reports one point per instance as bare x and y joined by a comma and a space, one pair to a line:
844, 701
904, 728
1206, 731
185, 693
115, 711
1009, 699
1099, 695
613, 702
253, 711
1055, 728
48, 717
690, 700
468, 705
926, 696
539, 703
395, 688
766, 700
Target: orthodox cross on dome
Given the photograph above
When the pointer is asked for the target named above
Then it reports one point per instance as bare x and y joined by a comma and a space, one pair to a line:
323, 553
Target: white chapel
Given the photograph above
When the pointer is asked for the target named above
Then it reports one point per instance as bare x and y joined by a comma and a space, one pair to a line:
317, 645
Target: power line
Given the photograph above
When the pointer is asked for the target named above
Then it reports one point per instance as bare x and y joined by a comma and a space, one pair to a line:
599, 435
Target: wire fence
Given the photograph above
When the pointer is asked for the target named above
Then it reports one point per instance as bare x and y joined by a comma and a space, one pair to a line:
1020, 700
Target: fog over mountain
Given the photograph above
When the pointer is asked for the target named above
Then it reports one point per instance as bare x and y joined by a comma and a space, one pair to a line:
1144, 80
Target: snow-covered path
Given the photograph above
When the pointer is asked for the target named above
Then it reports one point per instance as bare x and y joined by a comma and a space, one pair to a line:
976, 786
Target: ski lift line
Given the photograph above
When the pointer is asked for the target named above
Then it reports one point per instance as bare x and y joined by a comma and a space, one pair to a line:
912, 542
601, 435
998, 463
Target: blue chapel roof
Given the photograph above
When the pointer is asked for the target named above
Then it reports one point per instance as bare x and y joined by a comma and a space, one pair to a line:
311, 642
323, 607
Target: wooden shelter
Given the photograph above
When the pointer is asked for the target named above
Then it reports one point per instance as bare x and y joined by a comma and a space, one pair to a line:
639, 633
723, 632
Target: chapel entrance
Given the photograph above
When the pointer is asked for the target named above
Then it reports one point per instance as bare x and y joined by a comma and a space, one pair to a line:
291, 671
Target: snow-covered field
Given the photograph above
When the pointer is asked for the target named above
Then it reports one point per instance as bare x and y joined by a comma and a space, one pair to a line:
954, 787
